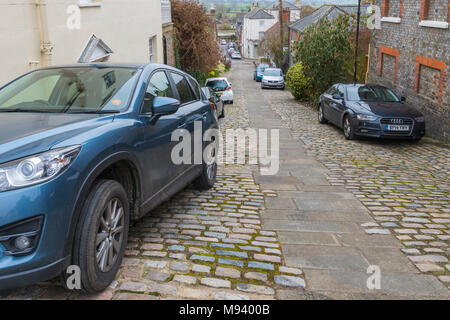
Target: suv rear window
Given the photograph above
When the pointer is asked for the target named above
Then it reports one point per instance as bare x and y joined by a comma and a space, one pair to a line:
183, 88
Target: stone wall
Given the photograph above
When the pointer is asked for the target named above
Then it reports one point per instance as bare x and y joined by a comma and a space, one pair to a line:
414, 60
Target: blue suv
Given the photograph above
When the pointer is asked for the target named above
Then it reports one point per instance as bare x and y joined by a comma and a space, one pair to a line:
84, 150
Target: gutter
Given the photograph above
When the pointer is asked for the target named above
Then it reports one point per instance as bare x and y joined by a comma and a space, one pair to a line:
46, 46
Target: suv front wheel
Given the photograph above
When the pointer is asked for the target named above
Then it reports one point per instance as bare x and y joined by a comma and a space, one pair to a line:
102, 235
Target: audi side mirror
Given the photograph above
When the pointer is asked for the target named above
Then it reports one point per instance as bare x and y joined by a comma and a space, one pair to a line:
403, 99
337, 97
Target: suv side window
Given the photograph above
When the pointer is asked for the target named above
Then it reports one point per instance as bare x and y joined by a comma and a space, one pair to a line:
183, 88
196, 87
159, 86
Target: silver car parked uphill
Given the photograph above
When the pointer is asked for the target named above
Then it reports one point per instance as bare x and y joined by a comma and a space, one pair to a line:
273, 78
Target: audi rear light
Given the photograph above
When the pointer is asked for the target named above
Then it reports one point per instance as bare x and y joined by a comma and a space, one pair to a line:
228, 88
213, 106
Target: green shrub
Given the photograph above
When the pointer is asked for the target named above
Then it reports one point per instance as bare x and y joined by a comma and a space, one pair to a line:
326, 53
296, 82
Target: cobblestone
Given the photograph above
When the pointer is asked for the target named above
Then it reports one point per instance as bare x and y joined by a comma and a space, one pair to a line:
405, 186
215, 282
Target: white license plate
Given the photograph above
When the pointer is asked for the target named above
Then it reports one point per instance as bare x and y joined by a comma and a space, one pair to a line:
396, 127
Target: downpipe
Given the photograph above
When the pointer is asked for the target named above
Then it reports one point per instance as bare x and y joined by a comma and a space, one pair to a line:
46, 46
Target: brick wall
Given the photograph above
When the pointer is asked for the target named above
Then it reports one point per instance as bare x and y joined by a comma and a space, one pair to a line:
415, 60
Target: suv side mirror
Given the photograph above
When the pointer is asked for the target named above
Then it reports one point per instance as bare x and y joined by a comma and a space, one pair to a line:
337, 96
164, 106
403, 99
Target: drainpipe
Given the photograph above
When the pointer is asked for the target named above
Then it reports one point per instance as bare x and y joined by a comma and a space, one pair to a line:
46, 46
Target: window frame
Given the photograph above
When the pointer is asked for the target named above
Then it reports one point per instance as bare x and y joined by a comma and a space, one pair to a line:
170, 72
172, 86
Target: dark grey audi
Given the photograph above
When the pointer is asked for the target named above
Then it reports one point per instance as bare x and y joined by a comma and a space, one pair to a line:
370, 110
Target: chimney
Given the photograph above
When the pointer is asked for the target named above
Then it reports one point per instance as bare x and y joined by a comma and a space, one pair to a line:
254, 5
286, 15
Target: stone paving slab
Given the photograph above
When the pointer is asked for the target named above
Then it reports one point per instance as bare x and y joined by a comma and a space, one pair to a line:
384, 196
312, 226
307, 238
324, 257
400, 284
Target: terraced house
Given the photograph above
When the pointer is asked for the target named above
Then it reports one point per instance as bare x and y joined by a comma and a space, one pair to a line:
38, 33
411, 53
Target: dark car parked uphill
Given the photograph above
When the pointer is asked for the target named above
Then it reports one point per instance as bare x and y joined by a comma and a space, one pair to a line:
84, 150
214, 98
370, 110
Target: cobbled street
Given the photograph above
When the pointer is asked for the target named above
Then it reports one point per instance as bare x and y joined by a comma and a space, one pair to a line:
335, 211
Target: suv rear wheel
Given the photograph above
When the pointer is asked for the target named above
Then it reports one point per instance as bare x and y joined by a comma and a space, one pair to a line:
102, 235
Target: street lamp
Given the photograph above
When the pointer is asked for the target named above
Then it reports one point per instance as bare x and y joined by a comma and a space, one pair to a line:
357, 39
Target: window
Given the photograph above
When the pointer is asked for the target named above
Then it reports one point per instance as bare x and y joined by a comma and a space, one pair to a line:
218, 85
80, 89
433, 14
392, 11
183, 88
261, 23
340, 90
89, 3
151, 48
159, 86
332, 90
273, 72
370, 93
196, 87
37, 91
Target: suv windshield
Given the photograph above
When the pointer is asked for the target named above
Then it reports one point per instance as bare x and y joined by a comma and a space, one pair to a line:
217, 85
71, 90
273, 73
371, 93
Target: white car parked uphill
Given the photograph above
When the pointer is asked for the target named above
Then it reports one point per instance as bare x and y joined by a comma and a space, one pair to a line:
222, 87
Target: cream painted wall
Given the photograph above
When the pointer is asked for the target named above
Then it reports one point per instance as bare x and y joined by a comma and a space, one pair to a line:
124, 25
251, 30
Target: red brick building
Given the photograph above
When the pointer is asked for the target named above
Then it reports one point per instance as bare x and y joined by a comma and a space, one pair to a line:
411, 54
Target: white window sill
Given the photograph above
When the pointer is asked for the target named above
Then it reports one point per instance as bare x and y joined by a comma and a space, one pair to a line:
434, 24
391, 19
88, 4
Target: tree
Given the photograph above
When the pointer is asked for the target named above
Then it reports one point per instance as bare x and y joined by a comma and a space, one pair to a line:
325, 51
197, 49
272, 45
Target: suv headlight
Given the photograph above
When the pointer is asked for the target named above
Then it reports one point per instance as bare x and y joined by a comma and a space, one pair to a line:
36, 169
366, 117
420, 119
